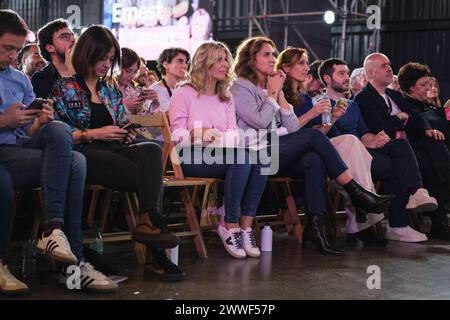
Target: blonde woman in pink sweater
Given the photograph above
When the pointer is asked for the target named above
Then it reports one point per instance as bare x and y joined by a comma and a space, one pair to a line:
203, 122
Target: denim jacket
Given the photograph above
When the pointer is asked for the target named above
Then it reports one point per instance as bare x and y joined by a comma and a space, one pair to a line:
72, 102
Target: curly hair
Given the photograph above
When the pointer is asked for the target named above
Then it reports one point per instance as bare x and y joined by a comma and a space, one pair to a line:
45, 35
290, 57
246, 57
410, 73
206, 55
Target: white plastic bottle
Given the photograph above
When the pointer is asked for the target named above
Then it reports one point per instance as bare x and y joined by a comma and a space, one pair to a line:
266, 238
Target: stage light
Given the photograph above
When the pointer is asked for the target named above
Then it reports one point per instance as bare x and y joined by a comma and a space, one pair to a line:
329, 17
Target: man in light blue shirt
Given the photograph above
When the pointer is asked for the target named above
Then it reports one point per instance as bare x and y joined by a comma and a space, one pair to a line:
36, 151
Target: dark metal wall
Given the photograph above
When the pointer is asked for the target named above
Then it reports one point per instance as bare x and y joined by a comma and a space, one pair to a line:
233, 31
412, 30
38, 12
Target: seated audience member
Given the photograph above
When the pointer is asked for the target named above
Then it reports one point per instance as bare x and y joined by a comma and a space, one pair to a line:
388, 159
93, 108
56, 40
31, 59
173, 64
205, 98
152, 77
133, 96
357, 81
394, 84
141, 78
307, 153
414, 79
37, 152
387, 110
434, 93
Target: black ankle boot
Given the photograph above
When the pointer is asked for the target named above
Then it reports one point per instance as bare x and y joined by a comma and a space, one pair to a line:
365, 201
314, 233
159, 265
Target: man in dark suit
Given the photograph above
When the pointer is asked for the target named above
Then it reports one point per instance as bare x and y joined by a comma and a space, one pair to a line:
386, 109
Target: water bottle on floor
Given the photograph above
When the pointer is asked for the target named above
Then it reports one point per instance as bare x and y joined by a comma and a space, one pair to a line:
266, 238
97, 240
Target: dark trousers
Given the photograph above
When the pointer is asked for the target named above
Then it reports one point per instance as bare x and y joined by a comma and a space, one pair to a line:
6, 203
308, 154
136, 168
434, 162
47, 160
397, 163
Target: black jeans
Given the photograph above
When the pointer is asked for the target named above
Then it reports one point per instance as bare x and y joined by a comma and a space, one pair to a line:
397, 163
308, 154
434, 162
135, 168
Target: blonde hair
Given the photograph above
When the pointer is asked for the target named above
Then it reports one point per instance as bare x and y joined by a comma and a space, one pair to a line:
246, 57
206, 55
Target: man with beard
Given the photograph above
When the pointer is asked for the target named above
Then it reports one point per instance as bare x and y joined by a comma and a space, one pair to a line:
56, 40
31, 59
392, 160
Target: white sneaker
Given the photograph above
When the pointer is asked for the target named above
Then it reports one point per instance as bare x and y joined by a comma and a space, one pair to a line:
421, 201
91, 280
250, 246
232, 240
57, 247
404, 234
9, 284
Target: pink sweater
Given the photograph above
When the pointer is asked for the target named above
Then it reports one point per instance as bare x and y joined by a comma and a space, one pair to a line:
186, 106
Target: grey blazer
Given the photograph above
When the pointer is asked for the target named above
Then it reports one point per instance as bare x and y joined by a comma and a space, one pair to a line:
254, 109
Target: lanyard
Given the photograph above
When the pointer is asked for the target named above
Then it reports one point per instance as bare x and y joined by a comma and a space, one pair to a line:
167, 87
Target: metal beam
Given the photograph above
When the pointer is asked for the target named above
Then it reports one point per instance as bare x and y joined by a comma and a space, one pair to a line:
310, 49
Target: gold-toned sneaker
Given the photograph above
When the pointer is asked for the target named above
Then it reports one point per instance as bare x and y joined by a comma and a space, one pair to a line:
9, 284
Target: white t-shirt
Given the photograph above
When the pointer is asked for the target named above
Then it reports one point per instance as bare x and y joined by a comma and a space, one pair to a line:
163, 97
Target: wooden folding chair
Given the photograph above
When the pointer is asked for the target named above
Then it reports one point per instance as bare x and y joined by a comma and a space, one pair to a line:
176, 179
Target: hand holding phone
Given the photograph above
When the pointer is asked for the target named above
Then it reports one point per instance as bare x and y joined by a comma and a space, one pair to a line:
131, 126
37, 104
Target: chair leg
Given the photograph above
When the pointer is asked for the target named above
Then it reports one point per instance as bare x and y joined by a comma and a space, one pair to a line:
293, 224
92, 207
193, 223
139, 249
105, 209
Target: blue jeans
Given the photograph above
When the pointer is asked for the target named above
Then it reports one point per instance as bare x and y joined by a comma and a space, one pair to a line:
6, 203
47, 160
243, 183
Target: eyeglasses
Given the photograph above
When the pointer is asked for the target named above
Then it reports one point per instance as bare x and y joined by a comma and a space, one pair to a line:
68, 36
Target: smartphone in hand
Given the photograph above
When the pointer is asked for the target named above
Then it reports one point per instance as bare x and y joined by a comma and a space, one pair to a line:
37, 104
131, 126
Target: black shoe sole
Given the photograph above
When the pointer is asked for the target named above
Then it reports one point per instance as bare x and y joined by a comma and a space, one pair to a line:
170, 277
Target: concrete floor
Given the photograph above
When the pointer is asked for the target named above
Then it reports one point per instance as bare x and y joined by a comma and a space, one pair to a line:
408, 271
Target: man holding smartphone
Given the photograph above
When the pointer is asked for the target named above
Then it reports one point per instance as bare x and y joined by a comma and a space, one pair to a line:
37, 152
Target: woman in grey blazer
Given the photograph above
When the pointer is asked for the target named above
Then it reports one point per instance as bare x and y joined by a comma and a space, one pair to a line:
307, 153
